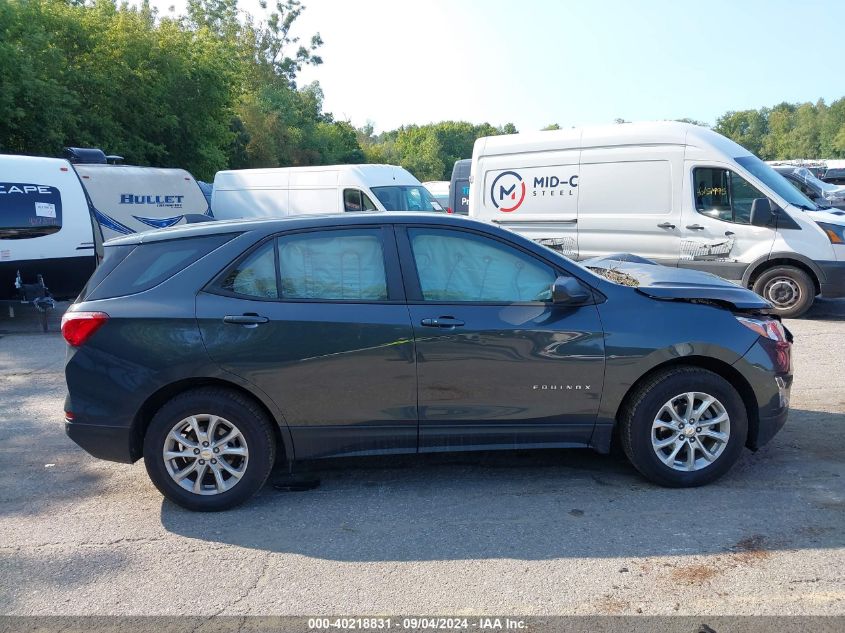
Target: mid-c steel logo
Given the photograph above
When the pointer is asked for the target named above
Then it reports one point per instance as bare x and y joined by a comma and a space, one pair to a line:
507, 191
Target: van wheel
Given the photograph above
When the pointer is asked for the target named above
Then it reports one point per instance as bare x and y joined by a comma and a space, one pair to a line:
209, 449
684, 427
790, 290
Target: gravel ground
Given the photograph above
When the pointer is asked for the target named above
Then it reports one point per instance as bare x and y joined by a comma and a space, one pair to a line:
547, 532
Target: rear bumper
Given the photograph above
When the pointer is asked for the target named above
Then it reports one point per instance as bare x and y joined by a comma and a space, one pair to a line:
103, 442
833, 284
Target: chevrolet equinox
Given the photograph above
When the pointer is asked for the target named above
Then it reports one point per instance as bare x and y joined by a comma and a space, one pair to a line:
213, 350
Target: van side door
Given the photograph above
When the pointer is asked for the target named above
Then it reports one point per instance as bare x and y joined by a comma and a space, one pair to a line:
534, 194
630, 202
717, 234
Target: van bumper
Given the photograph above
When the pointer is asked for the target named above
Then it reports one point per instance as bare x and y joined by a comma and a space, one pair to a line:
833, 284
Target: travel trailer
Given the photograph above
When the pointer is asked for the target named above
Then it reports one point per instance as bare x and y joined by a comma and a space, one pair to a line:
250, 193
679, 194
54, 215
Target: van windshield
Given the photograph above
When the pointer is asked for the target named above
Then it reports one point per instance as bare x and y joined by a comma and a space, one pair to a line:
406, 198
776, 182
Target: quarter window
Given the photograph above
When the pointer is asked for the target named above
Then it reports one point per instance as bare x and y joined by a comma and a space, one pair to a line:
724, 195
457, 266
346, 265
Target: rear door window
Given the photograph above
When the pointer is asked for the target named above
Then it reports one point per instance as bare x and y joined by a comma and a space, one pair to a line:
254, 277
344, 265
29, 210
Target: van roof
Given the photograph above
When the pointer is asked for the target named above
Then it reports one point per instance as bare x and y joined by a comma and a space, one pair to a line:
263, 177
642, 133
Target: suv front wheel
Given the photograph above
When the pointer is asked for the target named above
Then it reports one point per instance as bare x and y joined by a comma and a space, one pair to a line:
684, 427
209, 449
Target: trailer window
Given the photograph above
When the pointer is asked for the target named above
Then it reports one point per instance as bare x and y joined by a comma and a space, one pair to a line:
29, 210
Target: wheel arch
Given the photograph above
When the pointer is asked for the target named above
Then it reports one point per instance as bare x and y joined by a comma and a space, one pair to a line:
719, 367
155, 401
783, 259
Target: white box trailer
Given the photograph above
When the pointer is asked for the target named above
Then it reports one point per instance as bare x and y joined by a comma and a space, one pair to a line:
679, 194
283, 191
50, 224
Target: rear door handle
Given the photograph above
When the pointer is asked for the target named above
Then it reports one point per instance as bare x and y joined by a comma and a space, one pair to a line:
695, 227
247, 320
443, 321
666, 225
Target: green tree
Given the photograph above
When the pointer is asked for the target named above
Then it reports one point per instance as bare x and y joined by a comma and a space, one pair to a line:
746, 127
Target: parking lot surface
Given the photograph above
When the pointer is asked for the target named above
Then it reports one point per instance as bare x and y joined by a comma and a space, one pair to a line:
549, 532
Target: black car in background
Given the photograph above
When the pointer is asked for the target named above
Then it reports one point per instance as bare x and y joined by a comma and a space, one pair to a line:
459, 187
820, 192
214, 350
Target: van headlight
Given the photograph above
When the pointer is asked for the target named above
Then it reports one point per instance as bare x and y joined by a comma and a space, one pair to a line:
835, 232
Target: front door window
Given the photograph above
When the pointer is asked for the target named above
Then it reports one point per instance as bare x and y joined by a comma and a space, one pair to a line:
724, 195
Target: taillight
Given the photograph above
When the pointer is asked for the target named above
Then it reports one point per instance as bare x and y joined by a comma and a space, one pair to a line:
775, 340
77, 327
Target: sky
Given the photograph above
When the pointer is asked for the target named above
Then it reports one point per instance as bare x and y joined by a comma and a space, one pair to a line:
537, 62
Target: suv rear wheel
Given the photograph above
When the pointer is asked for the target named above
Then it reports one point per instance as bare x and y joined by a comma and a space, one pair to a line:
789, 289
684, 427
209, 449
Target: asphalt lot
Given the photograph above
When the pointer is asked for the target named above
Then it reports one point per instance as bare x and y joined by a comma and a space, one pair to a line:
551, 532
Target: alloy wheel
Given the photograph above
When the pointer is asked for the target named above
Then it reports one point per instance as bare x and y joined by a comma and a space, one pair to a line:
690, 431
205, 454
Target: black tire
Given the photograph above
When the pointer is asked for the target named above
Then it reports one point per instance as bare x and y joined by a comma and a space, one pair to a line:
646, 402
237, 410
781, 284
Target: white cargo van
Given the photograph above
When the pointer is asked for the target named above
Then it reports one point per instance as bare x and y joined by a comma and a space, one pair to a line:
676, 193
51, 225
249, 193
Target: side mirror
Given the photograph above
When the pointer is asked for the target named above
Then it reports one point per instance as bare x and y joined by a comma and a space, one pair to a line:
568, 291
762, 212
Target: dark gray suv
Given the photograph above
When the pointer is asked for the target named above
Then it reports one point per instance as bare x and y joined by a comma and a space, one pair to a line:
215, 350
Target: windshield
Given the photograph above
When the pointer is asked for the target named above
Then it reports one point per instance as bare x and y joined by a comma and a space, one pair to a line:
776, 182
406, 198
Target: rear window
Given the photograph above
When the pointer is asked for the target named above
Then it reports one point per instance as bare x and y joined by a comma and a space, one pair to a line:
29, 210
147, 265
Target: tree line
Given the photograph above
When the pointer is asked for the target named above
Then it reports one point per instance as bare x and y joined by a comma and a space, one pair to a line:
216, 88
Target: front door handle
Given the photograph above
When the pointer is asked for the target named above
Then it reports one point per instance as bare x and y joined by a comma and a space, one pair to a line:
247, 320
695, 227
443, 321
666, 225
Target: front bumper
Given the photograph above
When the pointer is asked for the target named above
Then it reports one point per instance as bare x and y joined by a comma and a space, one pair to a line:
833, 284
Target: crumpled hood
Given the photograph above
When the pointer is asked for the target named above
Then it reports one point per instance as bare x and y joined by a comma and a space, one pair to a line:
678, 284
